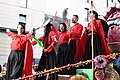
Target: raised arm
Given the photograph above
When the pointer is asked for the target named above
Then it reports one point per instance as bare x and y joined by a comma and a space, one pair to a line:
55, 30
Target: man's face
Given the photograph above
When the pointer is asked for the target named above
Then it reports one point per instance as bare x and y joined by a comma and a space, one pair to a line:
74, 19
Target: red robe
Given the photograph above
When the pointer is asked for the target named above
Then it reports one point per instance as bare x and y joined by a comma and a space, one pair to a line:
47, 59
76, 35
100, 33
23, 43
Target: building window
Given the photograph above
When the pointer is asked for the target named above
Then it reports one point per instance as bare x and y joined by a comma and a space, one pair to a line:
23, 3
107, 3
22, 19
86, 12
87, 1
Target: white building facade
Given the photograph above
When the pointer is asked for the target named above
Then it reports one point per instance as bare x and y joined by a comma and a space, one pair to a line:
13, 12
82, 7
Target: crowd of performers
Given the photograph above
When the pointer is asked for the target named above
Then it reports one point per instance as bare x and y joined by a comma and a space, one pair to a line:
73, 47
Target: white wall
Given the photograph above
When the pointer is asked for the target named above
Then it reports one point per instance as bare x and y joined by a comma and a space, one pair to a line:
4, 47
9, 18
10, 10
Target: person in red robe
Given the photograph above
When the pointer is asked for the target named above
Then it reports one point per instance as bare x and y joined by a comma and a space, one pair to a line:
100, 46
21, 54
63, 38
73, 47
48, 58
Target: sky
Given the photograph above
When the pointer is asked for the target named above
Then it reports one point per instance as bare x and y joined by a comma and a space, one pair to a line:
56, 5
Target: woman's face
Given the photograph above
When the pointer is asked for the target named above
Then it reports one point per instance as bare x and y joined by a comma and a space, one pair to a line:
61, 27
20, 29
91, 15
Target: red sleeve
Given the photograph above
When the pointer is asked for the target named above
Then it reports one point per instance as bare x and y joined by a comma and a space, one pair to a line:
41, 39
52, 42
28, 36
55, 30
12, 35
51, 47
77, 31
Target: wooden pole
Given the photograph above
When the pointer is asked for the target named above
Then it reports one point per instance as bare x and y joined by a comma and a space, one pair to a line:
92, 49
92, 38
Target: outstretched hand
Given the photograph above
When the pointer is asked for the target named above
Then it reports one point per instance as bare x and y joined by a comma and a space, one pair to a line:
32, 32
45, 50
7, 30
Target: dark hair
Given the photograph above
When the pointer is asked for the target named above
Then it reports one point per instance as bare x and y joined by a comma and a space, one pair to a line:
23, 26
105, 27
65, 27
94, 12
76, 16
46, 33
